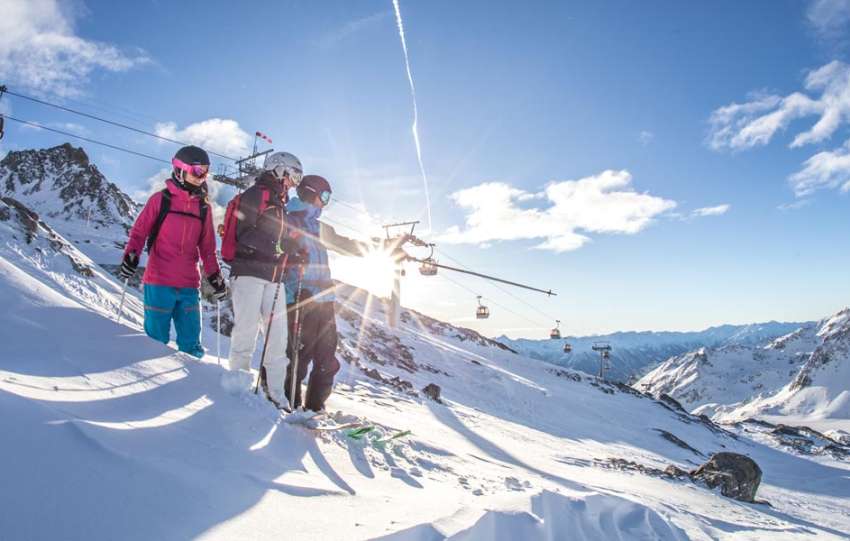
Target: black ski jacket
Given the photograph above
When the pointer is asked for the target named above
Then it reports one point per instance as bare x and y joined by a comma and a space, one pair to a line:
259, 234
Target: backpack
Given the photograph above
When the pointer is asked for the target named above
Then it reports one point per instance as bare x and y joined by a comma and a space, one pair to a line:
165, 210
227, 230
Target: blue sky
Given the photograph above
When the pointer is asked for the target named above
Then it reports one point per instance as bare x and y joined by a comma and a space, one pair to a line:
522, 108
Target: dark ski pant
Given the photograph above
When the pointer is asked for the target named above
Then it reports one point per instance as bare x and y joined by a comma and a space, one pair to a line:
318, 340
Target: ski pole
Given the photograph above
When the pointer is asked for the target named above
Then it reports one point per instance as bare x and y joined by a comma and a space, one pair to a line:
121, 304
271, 318
218, 330
296, 350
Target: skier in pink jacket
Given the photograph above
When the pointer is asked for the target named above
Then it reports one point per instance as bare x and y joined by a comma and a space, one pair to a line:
176, 229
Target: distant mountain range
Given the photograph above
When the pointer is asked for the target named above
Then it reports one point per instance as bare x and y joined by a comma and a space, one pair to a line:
633, 354
803, 375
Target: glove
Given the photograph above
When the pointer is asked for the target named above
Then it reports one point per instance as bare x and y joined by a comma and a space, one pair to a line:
300, 257
293, 251
216, 280
128, 266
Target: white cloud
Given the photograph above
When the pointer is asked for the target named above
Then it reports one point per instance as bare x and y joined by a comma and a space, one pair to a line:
755, 122
711, 211
40, 50
645, 137
827, 169
220, 135
604, 203
829, 17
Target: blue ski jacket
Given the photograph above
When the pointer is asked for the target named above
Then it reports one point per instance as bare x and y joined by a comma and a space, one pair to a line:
316, 238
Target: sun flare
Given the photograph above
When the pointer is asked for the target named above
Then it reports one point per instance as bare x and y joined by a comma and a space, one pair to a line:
373, 272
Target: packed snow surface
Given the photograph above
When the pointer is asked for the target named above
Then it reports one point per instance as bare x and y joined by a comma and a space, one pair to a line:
110, 435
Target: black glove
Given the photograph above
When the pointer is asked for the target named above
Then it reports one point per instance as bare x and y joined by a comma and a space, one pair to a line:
128, 266
289, 246
292, 250
216, 280
300, 257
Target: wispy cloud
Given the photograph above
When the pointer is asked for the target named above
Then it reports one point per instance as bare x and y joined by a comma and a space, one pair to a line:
64, 126
755, 122
827, 169
40, 50
330, 39
645, 137
603, 203
829, 18
711, 211
215, 134
794, 205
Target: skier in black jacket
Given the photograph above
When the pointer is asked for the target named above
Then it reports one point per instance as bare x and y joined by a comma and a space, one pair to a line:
261, 241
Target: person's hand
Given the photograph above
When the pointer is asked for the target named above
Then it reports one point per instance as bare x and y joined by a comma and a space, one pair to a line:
216, 280
299, 257
128, 266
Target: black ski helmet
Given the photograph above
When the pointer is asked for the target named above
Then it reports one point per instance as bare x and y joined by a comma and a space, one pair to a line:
192, 155
312, 186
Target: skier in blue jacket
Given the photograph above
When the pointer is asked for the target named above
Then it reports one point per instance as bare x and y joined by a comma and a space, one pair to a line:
317, 337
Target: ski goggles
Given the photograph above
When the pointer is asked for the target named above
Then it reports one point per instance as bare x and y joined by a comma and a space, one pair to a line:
281, 171
324, 196
199, 171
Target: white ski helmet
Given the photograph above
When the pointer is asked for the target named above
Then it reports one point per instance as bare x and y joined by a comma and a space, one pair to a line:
284, 163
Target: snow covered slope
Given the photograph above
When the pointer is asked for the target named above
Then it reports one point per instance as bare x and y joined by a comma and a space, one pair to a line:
634, 353
819, 392
73, 196
109, 435
731, 374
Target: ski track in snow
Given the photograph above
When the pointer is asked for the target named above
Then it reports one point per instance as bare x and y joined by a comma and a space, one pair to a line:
109, 435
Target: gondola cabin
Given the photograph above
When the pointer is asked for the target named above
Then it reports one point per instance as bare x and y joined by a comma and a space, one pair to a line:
482, 312
428, 267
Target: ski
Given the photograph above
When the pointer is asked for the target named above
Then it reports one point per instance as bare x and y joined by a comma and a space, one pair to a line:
383, 441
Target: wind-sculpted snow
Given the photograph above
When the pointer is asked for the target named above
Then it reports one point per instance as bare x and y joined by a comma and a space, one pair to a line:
109, 435
553, 516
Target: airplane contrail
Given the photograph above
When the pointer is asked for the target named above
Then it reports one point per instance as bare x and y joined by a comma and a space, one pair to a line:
415, 128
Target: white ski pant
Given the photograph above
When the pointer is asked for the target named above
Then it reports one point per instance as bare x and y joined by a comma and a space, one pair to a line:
252, 307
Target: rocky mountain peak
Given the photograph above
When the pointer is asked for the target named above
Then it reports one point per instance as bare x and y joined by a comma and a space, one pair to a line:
61, 182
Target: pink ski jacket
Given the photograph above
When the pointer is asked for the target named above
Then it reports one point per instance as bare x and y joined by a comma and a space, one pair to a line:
182, 240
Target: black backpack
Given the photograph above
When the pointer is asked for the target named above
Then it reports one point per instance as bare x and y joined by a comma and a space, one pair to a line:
165, 209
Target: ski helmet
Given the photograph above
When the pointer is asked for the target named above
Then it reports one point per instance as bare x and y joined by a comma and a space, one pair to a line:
314, 186
284, 163
190, 159
192, 155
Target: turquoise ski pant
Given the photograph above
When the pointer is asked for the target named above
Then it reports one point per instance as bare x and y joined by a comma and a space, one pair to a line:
164, 304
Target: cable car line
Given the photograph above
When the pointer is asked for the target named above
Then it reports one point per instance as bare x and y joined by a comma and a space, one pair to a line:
94, 141
487, 277
106, 121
